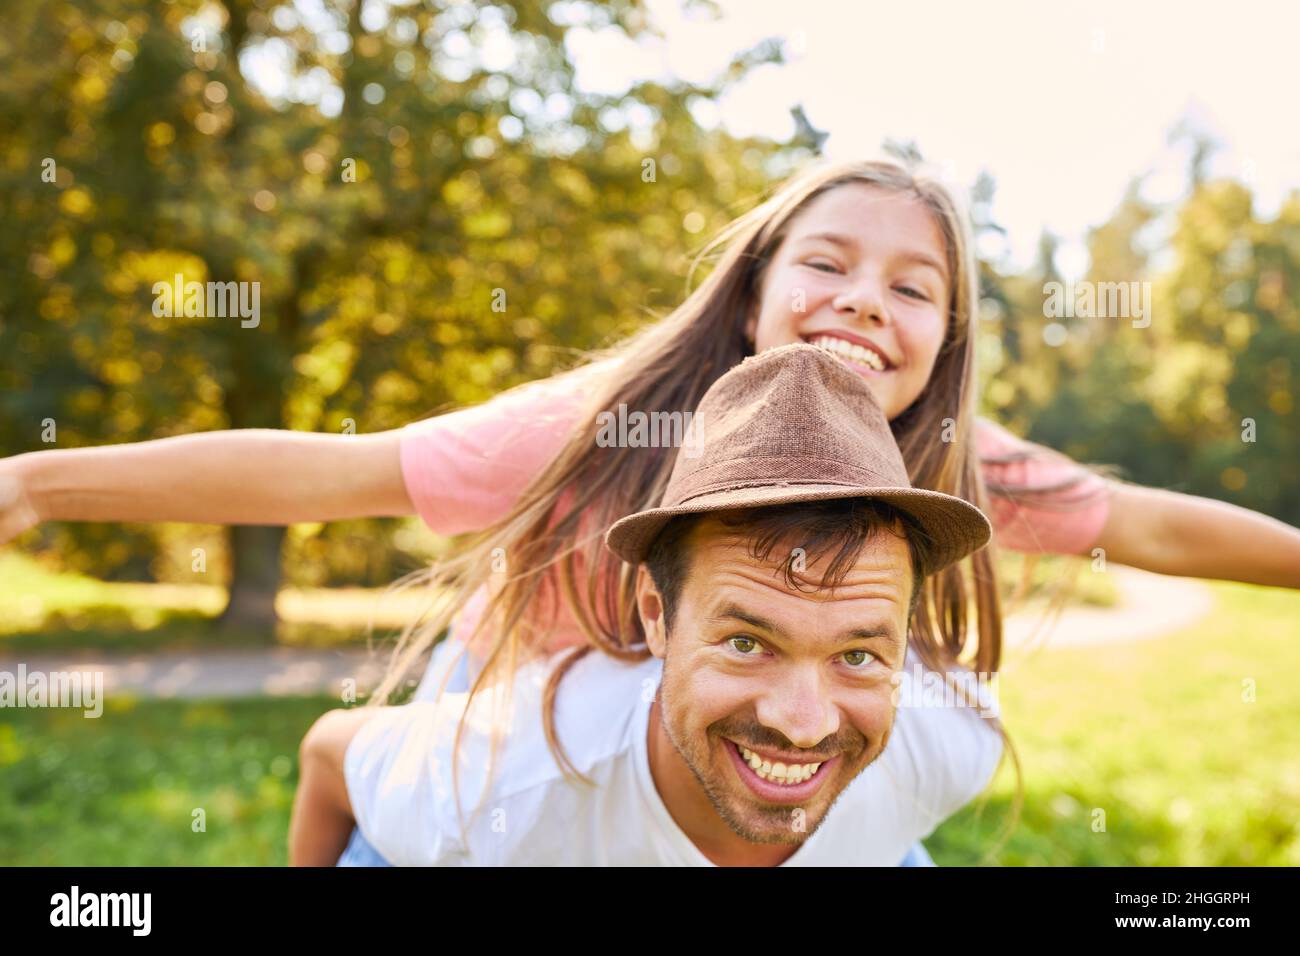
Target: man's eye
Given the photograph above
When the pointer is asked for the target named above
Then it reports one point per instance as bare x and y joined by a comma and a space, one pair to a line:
861, 659
744, 644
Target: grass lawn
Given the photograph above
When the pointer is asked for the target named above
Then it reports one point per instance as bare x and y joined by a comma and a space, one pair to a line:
120, 790
1162, 737
1156, 734
42, 610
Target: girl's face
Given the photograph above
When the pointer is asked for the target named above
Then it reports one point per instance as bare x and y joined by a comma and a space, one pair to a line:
862, 272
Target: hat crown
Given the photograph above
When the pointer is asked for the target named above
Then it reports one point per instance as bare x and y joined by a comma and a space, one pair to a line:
792, 415
794, 424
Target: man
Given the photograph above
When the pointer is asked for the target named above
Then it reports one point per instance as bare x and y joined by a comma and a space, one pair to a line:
775, 585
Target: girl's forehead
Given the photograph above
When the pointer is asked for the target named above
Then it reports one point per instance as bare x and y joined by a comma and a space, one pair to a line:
858, 216
861, 210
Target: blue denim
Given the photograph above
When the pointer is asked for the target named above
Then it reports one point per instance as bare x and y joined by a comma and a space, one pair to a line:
359, 852
917, 856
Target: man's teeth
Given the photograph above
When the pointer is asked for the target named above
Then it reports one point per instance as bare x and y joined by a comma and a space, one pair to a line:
849, 350
778, 772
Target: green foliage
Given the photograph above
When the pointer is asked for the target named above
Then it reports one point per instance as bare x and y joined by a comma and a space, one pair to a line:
1201, 401
442, 236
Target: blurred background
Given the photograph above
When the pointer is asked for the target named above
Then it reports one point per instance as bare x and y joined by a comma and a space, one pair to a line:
380, 167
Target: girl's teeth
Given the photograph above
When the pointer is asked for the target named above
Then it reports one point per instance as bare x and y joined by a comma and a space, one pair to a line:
849, 350
778, 773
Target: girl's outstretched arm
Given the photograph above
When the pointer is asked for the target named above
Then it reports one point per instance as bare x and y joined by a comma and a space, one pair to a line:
250, 476
1172, 533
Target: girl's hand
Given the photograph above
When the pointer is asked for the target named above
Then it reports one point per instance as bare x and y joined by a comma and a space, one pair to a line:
17, 510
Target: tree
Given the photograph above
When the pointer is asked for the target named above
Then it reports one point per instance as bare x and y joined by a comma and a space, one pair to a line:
429, 209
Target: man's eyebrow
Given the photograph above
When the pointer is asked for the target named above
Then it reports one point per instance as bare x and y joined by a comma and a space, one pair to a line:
912, 255
732, 611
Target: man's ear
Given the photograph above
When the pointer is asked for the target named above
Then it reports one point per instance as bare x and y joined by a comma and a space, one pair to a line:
650, 608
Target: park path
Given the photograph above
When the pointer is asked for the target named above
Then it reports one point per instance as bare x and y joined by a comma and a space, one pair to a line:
273, 672
1150, 606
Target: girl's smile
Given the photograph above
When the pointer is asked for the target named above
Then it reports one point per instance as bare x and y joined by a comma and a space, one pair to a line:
859, 353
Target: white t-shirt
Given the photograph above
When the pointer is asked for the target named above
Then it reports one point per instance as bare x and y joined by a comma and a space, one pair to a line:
398, 775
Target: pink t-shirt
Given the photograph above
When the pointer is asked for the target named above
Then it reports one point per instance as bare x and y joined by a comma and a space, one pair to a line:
465, 469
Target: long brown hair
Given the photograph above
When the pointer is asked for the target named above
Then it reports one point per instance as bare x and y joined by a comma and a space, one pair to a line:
549, 546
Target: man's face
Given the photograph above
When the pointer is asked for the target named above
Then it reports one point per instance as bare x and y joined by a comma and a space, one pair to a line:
799, 679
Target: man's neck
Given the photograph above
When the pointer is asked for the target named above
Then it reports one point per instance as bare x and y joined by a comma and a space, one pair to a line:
690, 808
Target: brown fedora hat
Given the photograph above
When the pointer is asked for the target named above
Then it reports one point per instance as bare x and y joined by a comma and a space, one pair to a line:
794, 423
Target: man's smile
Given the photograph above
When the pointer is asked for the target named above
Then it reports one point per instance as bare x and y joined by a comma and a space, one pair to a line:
791, 784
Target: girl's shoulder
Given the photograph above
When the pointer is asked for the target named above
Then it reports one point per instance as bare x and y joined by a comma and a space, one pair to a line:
567, 388
1001, 451
464, 469
1039, 499
528, 406
993, 441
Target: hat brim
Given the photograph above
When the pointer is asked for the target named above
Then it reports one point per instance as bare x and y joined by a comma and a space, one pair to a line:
956, 527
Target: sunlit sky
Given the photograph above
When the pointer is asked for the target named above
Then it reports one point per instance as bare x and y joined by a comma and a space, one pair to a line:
1063, 103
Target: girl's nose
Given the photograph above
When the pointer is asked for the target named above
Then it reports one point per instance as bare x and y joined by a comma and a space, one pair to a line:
864, 298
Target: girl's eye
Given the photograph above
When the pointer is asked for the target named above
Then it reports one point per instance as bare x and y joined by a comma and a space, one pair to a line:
819, 266
859, 661
743, 644
915, 293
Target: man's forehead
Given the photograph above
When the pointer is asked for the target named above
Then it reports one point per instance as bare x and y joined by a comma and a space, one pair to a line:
885, 551
722, 560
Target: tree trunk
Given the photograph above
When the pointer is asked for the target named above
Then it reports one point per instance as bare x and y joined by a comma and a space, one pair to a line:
254, 580
254, 399
260, 363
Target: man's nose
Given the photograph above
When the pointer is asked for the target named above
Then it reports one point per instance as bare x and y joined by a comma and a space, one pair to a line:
798, 706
